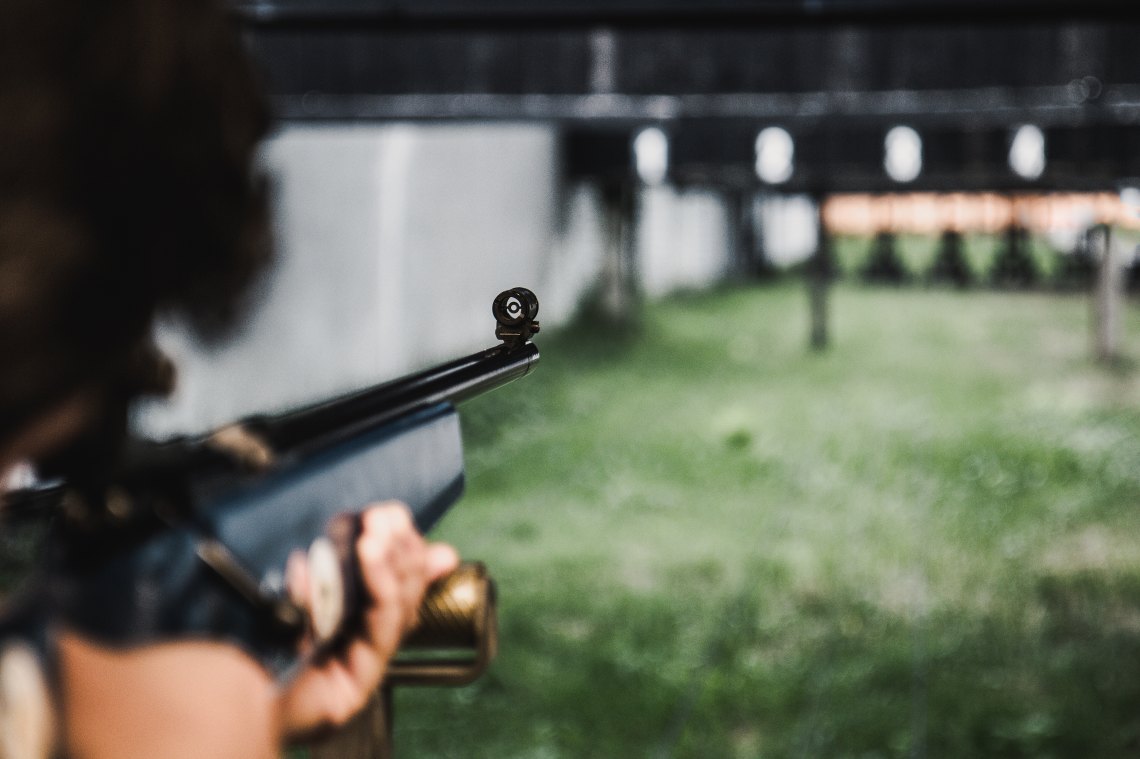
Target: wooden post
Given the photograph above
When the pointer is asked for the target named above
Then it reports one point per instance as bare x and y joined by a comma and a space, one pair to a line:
368, 736
1108, 295
819, 275
619, 289
740, 215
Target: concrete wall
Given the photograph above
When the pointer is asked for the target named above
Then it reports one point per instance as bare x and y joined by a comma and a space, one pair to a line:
788, 227
392, 242
684, 239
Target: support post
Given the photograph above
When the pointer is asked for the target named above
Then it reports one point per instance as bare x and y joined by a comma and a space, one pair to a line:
619, 271
1108, 295
740, 206
820, 271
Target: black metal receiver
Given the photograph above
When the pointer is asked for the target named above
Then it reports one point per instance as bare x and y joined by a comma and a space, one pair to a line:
194, 537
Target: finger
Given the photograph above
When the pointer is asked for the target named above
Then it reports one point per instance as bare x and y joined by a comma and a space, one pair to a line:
386, 617
388, 515
386, 532
320, 698
297, 578
398, 553
442, 560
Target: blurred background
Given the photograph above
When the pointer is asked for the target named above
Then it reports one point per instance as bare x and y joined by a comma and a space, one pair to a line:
834, 450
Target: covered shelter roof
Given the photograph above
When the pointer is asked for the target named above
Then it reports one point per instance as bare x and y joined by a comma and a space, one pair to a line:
835, 75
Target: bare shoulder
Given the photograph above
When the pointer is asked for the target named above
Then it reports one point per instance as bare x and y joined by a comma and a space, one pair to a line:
185, 699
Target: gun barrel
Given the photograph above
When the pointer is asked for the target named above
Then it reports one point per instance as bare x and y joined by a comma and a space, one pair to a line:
327, 422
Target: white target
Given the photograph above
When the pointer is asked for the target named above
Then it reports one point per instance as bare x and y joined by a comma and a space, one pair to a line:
775, 155
902, 154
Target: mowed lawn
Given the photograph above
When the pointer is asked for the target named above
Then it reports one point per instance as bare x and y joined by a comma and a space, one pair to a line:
709, 542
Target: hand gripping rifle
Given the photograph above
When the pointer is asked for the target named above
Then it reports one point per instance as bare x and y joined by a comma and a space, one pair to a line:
192, 538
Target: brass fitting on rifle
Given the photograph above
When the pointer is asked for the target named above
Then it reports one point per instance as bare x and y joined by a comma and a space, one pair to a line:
457, 636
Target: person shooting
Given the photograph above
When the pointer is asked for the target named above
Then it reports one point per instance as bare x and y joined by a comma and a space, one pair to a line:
127, 190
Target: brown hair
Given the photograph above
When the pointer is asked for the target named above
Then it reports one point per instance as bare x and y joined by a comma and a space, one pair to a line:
126, 143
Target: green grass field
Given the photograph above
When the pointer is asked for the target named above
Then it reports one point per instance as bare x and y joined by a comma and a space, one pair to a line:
710, 542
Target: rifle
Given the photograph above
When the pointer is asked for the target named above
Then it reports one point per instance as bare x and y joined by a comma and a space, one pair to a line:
191, 537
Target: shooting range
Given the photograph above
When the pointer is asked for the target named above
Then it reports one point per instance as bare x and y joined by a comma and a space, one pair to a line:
834, 447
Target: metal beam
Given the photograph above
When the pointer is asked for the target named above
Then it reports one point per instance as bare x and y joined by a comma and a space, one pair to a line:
653, 13
608, 67
1045, 106
976, 72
